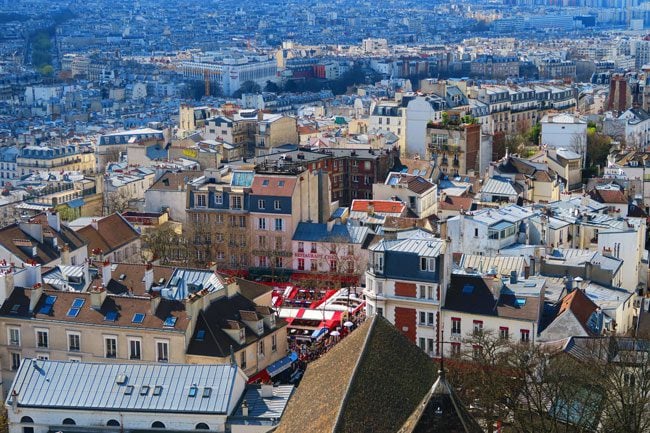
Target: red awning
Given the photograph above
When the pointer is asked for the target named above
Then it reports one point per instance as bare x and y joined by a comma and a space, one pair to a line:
261, 377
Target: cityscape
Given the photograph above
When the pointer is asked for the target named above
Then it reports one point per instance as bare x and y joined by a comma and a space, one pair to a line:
405, 216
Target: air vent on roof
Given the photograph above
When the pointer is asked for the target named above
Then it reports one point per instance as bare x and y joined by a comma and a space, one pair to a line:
122, 277
121, 378
161, 281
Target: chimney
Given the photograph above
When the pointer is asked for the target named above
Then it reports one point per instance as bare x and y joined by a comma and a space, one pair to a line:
54, 220
65, 254
34, 295
244, 408
35, 230
106, 273
94, 224
513, 277
267, 391
97, 297
148, 276
568, 284
260, 115
6, 284
155, 301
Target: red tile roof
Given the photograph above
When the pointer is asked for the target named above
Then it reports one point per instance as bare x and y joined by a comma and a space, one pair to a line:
273, 185
580, 305
381, 206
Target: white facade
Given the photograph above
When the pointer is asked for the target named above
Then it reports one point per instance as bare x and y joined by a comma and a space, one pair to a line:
419, 112
565, 131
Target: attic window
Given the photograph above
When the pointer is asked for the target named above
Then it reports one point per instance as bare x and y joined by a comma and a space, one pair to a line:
281, 183
468, 289
193, 391
207, 392
157, 390
111, 316
15, 308
200, 335
138, 318
265, 182
128, 390
170, 322
144, 390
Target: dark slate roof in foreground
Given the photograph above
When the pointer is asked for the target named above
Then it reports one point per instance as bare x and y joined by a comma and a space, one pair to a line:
370, 382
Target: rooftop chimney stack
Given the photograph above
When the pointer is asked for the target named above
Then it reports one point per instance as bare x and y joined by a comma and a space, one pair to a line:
106, 273
148, 276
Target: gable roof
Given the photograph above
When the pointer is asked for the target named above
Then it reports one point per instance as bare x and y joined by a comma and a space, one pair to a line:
281, 186
112, 233
380, 206
580, 306
127, 277
371, 381
441, 411
16, 240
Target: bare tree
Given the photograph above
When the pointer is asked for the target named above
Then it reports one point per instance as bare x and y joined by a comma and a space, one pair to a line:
116, 201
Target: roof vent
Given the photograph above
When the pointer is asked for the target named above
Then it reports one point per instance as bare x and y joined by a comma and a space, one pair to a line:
121, 379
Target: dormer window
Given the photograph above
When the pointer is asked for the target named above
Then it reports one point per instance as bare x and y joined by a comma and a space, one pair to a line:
242, 335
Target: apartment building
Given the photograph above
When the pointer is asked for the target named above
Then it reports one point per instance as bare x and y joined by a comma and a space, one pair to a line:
417, 193
35, 159
455, 146
408, 272
507, 309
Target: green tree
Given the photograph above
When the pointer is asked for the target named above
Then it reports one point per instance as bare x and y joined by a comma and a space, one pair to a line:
271, 87
247, 87
598, 147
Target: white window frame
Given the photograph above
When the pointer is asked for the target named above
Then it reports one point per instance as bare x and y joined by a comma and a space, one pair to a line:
277, 205
138, 342
76, 334
11, 341
46, 331
106, 339
201, 200
261, 204
429, 262
158, 357
74, 358
275, 225
218, 198
261, 223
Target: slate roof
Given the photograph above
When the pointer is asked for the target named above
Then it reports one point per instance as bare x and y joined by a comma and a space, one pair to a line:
441, 411
214, 319
170, 181
317, 232
133, 279
90, 386
370, 382
416, 241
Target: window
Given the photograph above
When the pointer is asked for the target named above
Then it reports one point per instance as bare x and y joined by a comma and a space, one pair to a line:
379, 262
455, 326
278, 243
313, 265
430, 346
68, 421
113, 423
301, 247
42, 356
262, 241
135, 349
380, 311
313, 248
430, 319
422, 343
218, 199
235, 202
427, 264
279, 225
260, 350
380, 287
278, 262
475, 233
157, 424
14, 336
276, 205
503, 333
207, 392
333, 265
15, 360
200, 200
74, 341
263, 262
42, 338
261, 223
525, 335
455, 349
301, 264
242, 360
476, 351
274, 343
110, 347
423, 317
162, 351
478, 327
261, 204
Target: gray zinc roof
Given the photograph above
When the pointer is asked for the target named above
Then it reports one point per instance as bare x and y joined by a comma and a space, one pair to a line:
90, 386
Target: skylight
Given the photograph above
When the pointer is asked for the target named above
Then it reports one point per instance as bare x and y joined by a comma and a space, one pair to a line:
520, 302
144, 390
73, 312
78, 303
468, 289
157, 390
138, 318
265, 182
200, 335
193, 391
111, 316
47, 307
170, 322
207, 392
128, 390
